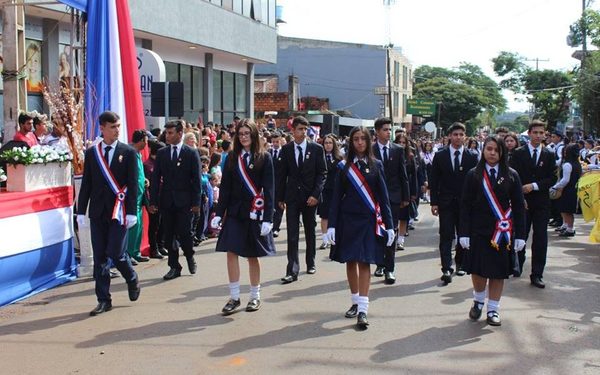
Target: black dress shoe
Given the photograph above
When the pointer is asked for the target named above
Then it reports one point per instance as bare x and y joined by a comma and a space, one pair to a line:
446, 277
352, 312
390, 278
156, 255
275, 233
312, 271
567, 233
493, 318
192, 266
537, 282
163, 251
379, 271
172, 274
142, 259
475, 312
361, 320
230, 306
289, 279
101, 308
134, 290
253, 305
460, 272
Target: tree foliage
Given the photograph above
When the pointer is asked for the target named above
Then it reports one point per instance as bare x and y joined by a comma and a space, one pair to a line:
548, 90
589, 24
464, 92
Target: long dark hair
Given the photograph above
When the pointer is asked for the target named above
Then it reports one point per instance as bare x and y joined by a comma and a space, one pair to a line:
503, 168
255, 147
337, 155
351, 154
572, 156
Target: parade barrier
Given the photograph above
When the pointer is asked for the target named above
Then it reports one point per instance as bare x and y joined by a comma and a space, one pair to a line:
36, 249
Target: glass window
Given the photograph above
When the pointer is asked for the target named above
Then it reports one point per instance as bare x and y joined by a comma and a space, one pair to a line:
404, 77
264, 8
396, 104
228, 98
272, 13
217, 102
246, 6
228, 118
396, 74
172, 71
404, 99
185, 75
237, 6
240, 92
197, 88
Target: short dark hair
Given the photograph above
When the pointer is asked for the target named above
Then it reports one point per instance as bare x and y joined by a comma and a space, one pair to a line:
225, 145
501, 129
108, 117
24, 117
536, 124
177, 124
382, 121
457, 126
299, 120
138, 135
154, 146
155, 132
275, 134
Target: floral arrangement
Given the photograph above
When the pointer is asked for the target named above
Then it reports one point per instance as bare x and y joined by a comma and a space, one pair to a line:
67, 115
2, 175
37, 155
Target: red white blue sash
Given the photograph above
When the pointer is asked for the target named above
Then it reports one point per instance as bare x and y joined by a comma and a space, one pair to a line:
119, 212
503, 218
364, 191
258, 201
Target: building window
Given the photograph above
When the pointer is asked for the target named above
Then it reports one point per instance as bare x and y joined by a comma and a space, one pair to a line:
404, 78
229, 96
192, 79
404, 100
396, 74
240, 93
396, 104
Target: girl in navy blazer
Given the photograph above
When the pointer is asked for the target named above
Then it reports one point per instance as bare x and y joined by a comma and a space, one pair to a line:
246, 203
332, 158
360, 219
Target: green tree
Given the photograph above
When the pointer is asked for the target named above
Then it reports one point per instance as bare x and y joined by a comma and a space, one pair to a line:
548, 90
464, 93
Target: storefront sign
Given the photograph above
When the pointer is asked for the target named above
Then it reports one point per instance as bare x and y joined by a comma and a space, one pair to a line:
152, 69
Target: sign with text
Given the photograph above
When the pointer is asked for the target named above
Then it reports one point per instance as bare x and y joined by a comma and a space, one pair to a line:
420, 107
152, 69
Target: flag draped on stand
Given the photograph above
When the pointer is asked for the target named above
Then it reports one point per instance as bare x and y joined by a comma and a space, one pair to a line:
588, 191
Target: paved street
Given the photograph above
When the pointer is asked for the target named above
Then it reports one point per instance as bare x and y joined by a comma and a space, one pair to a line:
417, 325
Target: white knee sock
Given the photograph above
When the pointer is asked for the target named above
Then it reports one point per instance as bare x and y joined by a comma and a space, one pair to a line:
479, 296
354, 297
363, 304
493, 306
255, 292
234, 290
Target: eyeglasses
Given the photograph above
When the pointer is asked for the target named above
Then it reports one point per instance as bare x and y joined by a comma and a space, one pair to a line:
244, 134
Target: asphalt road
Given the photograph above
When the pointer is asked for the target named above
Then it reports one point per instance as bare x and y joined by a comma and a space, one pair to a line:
417, 326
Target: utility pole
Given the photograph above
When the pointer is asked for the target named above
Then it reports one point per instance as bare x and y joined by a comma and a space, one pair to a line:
584, 121
388, 49
537, 62
13, 39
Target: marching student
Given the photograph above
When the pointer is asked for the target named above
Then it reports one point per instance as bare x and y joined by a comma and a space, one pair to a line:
360, 220
332, 158
570, 172
246, 204
492, 214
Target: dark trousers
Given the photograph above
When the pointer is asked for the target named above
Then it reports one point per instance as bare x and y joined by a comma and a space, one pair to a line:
200, 221
277, 216
109, 243
538, 219
448, 228
154, 232
309, 221
177, 221
389, 253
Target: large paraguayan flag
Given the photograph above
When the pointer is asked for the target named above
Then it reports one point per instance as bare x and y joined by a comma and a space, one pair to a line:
112, 75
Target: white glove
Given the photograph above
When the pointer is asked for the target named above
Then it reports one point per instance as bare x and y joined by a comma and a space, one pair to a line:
325, 238
465, 242
265, 228
81, 223
215, 222
131, 221
519, 245
330, 235
391, 236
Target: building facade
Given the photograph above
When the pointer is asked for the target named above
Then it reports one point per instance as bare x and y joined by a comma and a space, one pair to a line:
353, 76
212, 47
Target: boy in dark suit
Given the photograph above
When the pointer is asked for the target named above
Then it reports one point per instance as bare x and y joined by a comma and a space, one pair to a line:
109, 185
536, 167
176, 191
448, 170
396, 181
301, 176
276, 143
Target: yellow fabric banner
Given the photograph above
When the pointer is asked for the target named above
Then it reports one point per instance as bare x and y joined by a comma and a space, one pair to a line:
588, 191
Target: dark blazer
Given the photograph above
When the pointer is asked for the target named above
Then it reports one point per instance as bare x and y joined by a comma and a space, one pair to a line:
96, 190
297, 185
476, 215
544, 174
446, 186
332, 171
176, 184
396, 179
235, 199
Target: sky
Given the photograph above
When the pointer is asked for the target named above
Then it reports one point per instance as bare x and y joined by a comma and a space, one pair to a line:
445, 32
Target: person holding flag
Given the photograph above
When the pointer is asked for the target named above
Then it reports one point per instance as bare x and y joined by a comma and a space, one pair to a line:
246, 199
491, 227
360, 219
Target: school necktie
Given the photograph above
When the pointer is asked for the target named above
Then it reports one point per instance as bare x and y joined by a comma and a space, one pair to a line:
106, 154
274, 154
534, 157
456, 161
328, 158
300, 158
493, 176
385, 154
246, 157
174, 156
